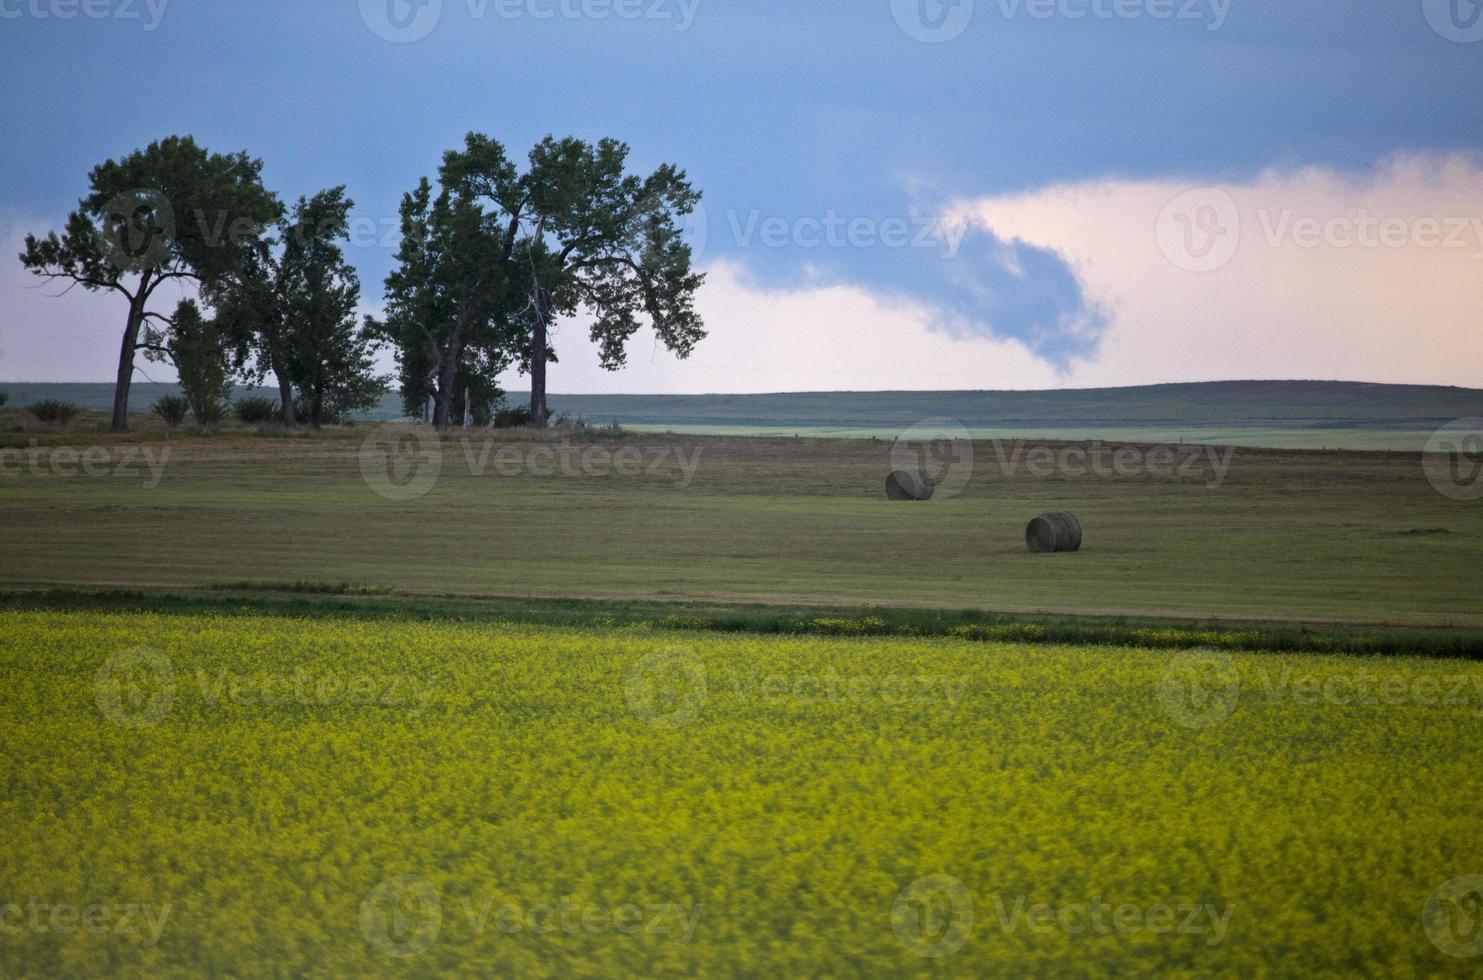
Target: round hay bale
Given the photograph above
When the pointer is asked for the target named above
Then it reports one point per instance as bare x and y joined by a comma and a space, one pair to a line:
1053, 532
909, 485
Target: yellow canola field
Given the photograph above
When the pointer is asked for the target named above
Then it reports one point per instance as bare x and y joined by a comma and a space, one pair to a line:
262, 796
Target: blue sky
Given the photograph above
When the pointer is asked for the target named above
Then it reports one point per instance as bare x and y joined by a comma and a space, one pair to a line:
789, 111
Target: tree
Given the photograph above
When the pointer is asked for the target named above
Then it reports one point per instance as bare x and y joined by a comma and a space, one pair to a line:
582, 233
452, 312
195, 345
291, 312
171, 211
329, 357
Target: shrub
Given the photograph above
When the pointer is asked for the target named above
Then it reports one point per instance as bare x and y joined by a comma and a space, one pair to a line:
210, 412
254, 410
53, 411
3, 398
512, 418
327, 414
172, 409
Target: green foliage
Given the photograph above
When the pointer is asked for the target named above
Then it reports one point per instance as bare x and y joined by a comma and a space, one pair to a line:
575, 231
196, 346
53, 412
172, 408
168, 212
256, 410
213, 411
517, 417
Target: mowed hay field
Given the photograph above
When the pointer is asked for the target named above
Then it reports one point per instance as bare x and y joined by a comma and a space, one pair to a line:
1355, 537
262, 796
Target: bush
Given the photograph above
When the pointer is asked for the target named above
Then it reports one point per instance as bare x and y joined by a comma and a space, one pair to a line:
172, 408
210, 412
52, 411
254, 410
512, 418
327, 414
3, 399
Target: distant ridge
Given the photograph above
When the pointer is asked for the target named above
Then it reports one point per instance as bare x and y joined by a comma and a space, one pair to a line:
1265, 404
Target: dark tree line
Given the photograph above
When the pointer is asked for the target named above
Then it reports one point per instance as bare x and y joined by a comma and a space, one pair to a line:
491, 257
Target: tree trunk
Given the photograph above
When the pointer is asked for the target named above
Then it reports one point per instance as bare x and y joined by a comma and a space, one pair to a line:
126, 356
448, 376
316, 410
538, 412
285, 396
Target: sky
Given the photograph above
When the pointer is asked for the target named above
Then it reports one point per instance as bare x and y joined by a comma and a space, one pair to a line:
898, 194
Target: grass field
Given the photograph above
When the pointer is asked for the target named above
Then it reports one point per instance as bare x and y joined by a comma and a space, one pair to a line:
1240, 534
267, 796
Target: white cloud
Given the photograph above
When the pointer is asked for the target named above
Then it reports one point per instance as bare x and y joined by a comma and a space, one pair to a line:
809, 339
1375, 277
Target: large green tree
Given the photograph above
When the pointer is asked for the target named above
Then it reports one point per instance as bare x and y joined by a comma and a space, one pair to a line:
169, 212
580, 232
452, 312
291, 312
